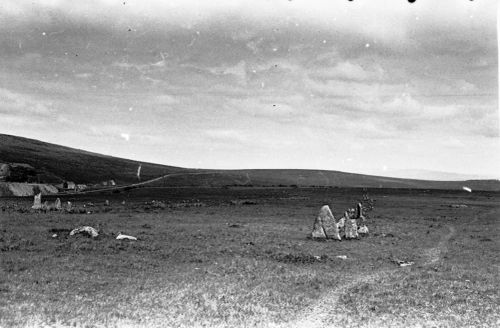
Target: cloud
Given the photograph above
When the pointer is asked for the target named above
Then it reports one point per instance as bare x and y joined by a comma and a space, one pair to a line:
349, 71
280, 77
23, 104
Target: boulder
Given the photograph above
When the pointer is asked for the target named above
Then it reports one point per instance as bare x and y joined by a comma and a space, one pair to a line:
363, 230
86, 230
122, 237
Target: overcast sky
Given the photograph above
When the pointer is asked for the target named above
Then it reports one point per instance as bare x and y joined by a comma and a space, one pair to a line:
364, 86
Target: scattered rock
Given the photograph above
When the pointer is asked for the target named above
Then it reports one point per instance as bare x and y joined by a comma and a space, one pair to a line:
122, 237
363, 230
86, 230
402, 263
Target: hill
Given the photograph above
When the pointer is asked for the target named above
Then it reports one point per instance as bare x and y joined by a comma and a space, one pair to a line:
54, 163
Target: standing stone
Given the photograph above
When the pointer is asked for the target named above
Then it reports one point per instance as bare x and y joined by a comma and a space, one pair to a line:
329, 224
359, 213
341, 225
57, 204
351, 227
325, 225
318, 231
37, 202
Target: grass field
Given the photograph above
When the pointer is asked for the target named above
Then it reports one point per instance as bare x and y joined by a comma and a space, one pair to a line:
240, 258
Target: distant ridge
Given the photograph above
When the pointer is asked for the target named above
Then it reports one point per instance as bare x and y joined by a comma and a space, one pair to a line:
55, 163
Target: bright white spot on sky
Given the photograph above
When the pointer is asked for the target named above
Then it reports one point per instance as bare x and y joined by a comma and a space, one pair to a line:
367, 45
130, 108
125, 136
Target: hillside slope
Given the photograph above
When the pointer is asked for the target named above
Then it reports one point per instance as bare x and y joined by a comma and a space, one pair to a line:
55, 163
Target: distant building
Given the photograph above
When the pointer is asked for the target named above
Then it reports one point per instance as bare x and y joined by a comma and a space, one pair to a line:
69, 185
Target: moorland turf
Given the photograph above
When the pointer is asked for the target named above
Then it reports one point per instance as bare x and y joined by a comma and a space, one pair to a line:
250, 264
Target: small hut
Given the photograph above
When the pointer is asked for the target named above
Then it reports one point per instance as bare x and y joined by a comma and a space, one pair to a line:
69, 185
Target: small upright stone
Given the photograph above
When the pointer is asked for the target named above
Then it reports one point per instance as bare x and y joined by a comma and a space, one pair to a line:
351, 227
359, 213
69, 207
37, 202
57, 205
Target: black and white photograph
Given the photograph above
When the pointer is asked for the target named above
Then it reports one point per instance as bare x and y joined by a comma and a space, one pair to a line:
249, 163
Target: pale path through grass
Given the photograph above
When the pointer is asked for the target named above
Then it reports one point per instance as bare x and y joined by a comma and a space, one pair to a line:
327, 310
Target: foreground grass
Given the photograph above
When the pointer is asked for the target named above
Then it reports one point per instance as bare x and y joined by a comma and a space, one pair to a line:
243, 266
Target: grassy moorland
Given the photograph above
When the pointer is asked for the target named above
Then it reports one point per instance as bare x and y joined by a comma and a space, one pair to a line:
240, 258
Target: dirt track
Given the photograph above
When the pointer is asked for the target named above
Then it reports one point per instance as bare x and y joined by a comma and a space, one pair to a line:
327, 310
133, 185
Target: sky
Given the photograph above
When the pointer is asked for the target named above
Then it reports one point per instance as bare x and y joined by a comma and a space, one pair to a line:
373, 86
